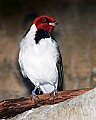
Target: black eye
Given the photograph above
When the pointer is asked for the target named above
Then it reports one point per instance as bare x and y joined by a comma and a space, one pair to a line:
43, 20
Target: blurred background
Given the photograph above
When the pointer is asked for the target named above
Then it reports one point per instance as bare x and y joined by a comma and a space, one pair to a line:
75, 33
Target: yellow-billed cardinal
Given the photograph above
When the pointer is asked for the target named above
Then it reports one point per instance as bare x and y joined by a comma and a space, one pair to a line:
40, 58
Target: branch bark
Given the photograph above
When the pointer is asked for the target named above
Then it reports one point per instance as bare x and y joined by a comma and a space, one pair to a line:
12, 107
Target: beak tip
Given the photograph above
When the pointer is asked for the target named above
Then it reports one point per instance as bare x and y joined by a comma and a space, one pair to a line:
56, 23
53, 23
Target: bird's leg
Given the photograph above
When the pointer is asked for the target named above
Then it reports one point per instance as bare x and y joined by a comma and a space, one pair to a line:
34, 96
33, 91
54, 93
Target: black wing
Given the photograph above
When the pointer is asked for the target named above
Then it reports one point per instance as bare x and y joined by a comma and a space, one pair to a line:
60, 72
59, 66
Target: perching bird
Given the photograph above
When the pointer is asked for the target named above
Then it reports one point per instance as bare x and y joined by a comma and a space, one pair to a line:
40, 58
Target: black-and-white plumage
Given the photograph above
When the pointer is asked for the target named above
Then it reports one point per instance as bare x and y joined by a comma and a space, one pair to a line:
40, 58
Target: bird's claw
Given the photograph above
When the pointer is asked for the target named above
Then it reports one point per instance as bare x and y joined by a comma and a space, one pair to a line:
34, 97
53, 95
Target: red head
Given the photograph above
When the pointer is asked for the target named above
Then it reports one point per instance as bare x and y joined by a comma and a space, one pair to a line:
45, 22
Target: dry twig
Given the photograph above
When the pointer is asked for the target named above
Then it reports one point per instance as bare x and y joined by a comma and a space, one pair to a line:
12, 107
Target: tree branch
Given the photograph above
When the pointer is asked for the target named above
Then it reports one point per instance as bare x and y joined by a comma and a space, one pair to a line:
12, 107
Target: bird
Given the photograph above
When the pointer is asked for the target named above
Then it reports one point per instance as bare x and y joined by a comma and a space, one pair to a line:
40, 58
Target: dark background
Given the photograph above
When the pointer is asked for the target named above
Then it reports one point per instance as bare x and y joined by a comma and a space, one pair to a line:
75, 33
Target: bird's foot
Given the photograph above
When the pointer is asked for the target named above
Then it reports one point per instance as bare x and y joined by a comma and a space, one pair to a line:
54, 92
53, 95
34, 97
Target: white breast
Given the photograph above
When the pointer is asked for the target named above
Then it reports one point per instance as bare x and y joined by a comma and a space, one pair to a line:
39, 62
